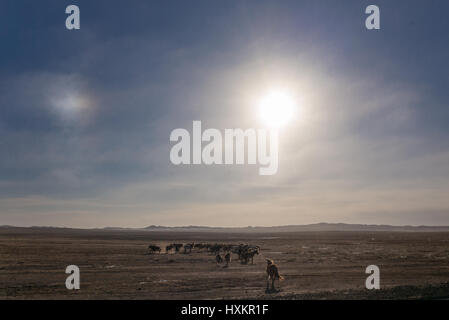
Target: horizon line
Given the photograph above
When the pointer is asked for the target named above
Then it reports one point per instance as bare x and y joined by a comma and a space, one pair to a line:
227, 227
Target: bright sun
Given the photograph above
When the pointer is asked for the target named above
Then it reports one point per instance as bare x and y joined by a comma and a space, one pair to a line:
276, 108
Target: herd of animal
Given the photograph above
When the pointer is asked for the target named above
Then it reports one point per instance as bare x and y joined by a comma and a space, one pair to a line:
223, 254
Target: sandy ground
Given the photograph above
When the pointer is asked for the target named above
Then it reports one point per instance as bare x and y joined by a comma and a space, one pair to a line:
316, 265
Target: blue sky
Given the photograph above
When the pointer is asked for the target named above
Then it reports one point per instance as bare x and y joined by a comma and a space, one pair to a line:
86, 115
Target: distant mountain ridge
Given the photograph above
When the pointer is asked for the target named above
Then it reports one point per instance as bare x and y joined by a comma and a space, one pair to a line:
317, 227
304, 228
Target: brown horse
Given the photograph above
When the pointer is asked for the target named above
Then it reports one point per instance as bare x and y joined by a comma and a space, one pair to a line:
177, 246
228, 258
153, 249
273, 274
248, 254
169, 248
218, 259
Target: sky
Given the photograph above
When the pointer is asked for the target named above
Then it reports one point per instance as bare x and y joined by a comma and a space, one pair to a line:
86, 115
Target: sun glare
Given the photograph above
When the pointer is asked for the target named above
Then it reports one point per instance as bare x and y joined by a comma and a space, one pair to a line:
276, 108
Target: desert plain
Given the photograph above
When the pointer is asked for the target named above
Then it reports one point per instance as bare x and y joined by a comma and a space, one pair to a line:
116, 264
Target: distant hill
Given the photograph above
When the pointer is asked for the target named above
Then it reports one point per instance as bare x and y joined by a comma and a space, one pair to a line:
317, 227
304, 228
